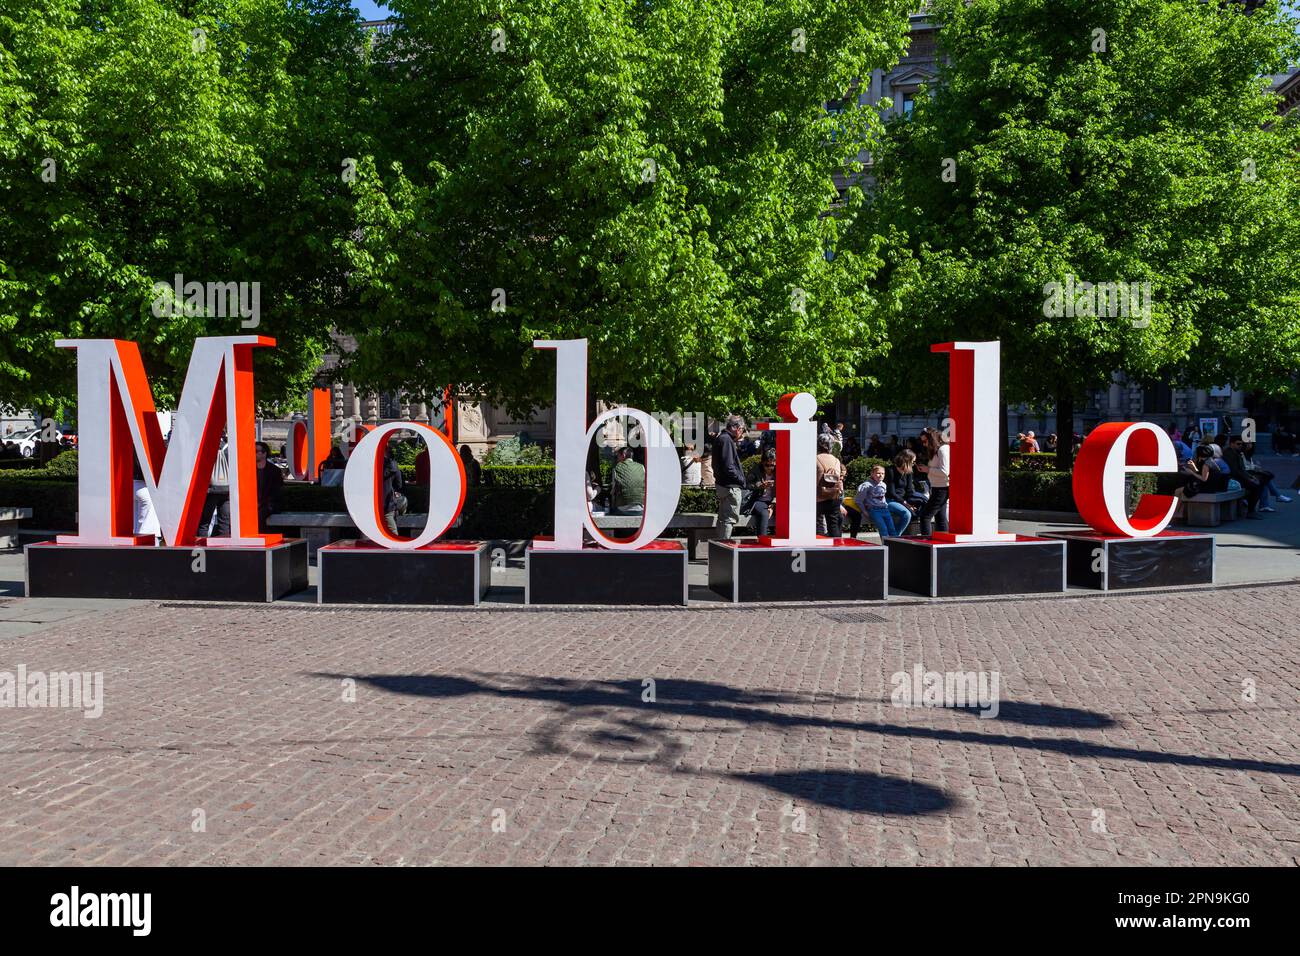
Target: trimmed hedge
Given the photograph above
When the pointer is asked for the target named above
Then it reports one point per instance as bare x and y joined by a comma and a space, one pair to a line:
63, 464
1033, 461
696, 498
519, 476
17, 464
1036, 490
53, 500
860, 471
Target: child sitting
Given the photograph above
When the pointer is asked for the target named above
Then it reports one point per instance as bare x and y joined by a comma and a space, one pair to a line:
872, 500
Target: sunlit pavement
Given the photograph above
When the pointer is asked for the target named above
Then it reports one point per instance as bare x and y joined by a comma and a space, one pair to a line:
1139, 728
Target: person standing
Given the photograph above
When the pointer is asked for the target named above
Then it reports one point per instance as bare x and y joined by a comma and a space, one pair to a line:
762, 495
395, 502
691, 471
936, 452
830, 485
269, 482
728, 477
473, 470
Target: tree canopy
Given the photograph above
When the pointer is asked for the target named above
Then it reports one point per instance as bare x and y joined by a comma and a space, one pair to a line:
653, 177
141, 139
1094, 141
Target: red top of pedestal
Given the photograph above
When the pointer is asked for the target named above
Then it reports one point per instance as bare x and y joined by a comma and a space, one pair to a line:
652, 546
1099, 536
821, 543
1018, 539
354, 544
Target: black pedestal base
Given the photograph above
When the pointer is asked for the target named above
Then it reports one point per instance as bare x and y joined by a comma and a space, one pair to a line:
167, 574
966, 569
654, 575
361, 572
845, 571
1170, 559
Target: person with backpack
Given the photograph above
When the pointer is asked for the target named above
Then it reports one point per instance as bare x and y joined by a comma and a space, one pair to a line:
830, 485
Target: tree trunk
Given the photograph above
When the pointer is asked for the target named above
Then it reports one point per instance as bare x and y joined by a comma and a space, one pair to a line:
1064, 429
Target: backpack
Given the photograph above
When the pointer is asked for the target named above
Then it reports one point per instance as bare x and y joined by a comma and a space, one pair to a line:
831, 485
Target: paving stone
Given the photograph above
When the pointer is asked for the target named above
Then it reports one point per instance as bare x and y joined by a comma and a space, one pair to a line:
519, 736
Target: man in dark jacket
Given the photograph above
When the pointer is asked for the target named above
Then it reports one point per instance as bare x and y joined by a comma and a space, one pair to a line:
728, 477
269, 482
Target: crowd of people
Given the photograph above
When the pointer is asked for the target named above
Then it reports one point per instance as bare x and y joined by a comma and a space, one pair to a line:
911, 491
1224, 462
907, 494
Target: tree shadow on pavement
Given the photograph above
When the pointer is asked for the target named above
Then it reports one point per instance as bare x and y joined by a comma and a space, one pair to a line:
592, 717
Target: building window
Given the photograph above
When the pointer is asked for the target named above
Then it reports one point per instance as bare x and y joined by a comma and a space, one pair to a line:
909, 103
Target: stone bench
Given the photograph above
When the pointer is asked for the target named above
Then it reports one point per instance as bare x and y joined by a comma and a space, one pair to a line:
317, 527
693, 525
9, 518
1209, 510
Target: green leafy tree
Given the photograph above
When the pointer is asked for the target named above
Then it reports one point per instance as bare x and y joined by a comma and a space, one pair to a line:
144, 138
652, 177
1110, 141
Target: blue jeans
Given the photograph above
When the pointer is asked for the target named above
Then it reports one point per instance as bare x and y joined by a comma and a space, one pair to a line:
892, 520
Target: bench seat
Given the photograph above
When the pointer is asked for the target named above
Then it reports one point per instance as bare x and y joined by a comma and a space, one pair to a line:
1209, 510
9, 518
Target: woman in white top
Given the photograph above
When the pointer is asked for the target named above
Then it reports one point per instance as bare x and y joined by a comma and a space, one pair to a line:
691, 471
936, 472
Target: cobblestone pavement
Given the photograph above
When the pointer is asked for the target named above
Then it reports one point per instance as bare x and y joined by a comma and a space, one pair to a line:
292, 734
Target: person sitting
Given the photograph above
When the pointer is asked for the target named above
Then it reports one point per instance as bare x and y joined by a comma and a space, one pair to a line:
1200, 476
1029, 444
627, 485
1181, 449
1235, 458
761, 501
1049, 444
595, 493
1265, 477
873, 499
334, 461
906, 492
